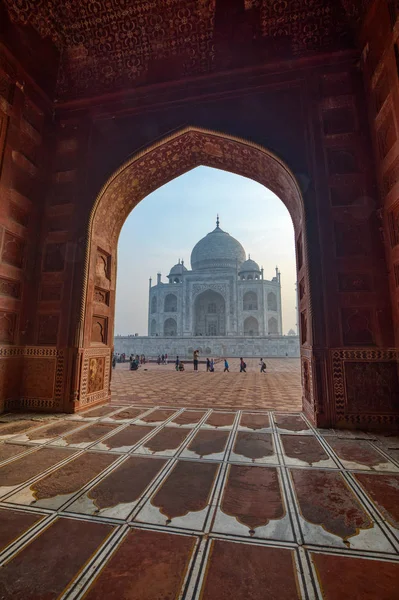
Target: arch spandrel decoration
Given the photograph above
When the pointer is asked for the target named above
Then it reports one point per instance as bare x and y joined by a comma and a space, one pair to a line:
153, 168
178, 154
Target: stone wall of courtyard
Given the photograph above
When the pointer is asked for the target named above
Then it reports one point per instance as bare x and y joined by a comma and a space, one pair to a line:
213, 346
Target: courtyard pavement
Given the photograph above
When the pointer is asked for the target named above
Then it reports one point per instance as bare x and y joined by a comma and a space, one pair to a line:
279, 388
197, 486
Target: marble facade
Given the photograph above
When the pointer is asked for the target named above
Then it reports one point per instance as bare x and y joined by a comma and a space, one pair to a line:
223, 295
267, 346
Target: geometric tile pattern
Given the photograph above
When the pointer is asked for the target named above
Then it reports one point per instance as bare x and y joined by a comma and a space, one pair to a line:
117, 43
150, 502
279, 388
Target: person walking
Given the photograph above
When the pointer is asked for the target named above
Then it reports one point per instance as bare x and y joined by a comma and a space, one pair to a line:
226, 366
208, 364
177, 363
262, 366
163, 359
166, 359
212, 366
114, 361
243, 366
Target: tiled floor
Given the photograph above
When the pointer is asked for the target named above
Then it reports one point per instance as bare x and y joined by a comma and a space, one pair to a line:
279, 388
149, 502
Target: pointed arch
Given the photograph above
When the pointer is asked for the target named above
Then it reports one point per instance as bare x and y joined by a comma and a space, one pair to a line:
150, 169
251, 327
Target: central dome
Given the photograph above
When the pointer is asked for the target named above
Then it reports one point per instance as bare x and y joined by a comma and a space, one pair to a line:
217, 250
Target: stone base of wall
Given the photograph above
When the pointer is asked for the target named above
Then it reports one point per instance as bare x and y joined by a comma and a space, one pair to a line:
213, 346
32, 378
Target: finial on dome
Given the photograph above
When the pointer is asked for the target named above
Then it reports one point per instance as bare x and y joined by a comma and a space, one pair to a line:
217, 221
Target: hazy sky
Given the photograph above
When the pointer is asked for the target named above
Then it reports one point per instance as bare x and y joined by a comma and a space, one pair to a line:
168, 223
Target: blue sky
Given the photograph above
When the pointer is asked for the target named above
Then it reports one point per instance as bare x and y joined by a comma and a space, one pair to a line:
167, 224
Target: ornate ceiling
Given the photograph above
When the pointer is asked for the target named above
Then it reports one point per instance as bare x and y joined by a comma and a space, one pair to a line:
107, 45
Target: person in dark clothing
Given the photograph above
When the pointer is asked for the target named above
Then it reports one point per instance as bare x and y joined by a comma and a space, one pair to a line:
208, 364
177, 363
243, 366
262, 366
226, 366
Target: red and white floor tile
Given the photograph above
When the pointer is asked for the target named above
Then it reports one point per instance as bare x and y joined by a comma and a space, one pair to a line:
211, 503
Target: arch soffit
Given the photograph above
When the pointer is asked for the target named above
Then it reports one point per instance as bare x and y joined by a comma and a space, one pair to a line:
170, 321
250, 294
251, 319
177, 154
170, 295
222, 293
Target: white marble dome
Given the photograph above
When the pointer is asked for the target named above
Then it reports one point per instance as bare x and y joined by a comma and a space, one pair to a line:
218, 249
249, 266
177, 269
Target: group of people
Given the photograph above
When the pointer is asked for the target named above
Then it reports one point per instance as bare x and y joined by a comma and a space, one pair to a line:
179, 364
210, 364
162, 359
118, 357
136, 360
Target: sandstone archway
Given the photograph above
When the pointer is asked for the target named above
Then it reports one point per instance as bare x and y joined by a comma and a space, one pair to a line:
141, 175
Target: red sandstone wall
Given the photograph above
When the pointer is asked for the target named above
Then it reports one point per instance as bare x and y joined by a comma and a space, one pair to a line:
380, 61
313, 117
315, 120
27, 365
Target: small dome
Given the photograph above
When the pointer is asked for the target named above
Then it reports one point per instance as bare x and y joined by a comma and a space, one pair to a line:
177, 269
249, 266
218, 249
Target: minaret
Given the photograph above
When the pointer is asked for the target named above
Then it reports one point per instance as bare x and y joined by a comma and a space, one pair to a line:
149, 308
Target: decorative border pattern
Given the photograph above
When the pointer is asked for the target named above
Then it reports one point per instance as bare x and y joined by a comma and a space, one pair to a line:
339, 357
32, 351
84, 397
31, 402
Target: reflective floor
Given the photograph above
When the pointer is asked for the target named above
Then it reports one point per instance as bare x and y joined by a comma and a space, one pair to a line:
147, 502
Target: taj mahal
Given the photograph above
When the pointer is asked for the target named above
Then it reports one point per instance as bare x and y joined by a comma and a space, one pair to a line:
223, 306
223, 295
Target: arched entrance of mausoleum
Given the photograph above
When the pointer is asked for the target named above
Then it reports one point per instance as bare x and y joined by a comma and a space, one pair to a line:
209, 314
